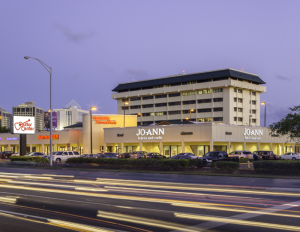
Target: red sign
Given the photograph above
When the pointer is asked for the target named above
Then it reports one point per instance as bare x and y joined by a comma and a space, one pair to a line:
104, 120
48, 137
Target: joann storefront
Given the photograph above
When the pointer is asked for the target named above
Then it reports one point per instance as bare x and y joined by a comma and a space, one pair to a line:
195, 138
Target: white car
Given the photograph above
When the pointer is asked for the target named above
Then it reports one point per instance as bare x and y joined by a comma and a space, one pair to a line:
242, 154
290, 156
62, 156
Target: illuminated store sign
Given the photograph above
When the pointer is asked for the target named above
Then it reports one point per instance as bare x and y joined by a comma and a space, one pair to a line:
253, 134
13, 138
104, 120
0, 138
153, 132
24, 125
48, 137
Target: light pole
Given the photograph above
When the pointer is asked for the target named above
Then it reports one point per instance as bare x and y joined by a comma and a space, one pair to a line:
49, 69
141, 115
91, 113
191, 110
250, 116
265, 119
125, 104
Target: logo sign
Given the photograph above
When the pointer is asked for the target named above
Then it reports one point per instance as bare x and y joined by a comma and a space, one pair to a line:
104, 120
24, 125
13, 138
120, 135
228, 133
153, 132
254, 134
0, 138
186, 133
48, 137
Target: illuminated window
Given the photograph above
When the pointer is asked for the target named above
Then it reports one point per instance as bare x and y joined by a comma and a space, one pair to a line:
205, 91
204, 119
218, 90
188, 93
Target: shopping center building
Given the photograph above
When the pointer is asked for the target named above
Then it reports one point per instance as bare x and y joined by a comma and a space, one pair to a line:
230, 123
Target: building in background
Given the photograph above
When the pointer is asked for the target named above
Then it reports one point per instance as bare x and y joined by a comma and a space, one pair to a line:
221, 96
5, 119
69, 115
29, 109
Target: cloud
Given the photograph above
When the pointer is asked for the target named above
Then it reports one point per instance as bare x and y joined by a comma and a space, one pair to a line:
136, 73
282, 78
72, 36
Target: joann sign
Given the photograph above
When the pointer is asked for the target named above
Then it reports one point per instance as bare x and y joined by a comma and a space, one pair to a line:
154, 133
24, 125
253, 134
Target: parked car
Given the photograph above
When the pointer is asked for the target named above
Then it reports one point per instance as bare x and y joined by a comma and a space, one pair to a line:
138, 154
84, 155
187, 156
40, 154
16, 154
110, 155
154, 155
290, 156
125, 155
62, 156
215, 156
100, 155
267, 155
242, 154
176, 157
6, 154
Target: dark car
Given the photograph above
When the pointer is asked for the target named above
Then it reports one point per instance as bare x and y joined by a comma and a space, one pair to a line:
110, 155
187, 156
215, 156
176, 157
138, 154
125, 155
267, 155
36, 154
6, 154
154, 155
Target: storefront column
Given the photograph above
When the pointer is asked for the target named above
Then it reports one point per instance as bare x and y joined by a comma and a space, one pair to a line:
211, 145
229, 147
104, 147
30, 148
258, 146
140, 144
42, 148
271, 147
294, 148
122, 146
183, 146
8, 148
55, 147
244, 146
282, 149
160, 147
78, 147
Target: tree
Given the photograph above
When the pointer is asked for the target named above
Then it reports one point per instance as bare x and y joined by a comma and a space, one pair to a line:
289, 125
3, 129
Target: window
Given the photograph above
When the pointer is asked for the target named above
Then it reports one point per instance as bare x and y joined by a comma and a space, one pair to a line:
218, 119
204, 120
253, 102
235, 118
174, 94
235, 99
161, 96
188, 93
174, 112
218, 99
188, 102
135, 99
204, 110
160, 104
240, 119
253, 120
218, 90
148, 106
146, 114
158, 86
204, 101
253, 111
235, 109
240, 109
240, 100
125, 107
205, 91
188, 111
158, 113
125, 99
135, 107
234, 89
147, 97
218, 109
174, 103
240, 91
253, 94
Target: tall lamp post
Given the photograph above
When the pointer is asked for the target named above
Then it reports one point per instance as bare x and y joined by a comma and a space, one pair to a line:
191, 110
91, 113
265, 119
141, 115
49, 70
125, 104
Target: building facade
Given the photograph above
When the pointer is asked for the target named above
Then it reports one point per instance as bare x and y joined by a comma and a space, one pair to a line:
222, 96
5, 119
29, 109
69, 115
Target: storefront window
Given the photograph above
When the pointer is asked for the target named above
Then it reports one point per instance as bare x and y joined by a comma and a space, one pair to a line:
220, 148
170, 151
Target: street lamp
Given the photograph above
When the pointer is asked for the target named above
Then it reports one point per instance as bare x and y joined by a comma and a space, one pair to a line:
91, 113
264, 103
191, 110
125, 104
187, 119
49, 70
141, 115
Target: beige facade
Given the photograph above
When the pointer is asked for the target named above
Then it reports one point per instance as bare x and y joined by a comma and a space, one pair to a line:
227, 100
196, 138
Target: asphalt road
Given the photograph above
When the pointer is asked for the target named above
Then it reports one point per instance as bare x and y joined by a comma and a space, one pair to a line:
49, 200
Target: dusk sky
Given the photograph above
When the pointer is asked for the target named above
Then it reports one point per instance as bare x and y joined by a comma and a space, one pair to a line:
94, 45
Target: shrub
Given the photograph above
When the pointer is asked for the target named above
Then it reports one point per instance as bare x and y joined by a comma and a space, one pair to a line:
225, 166
34, 159
278, 167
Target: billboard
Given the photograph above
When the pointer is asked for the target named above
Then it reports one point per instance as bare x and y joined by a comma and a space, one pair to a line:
47, 120
23, 125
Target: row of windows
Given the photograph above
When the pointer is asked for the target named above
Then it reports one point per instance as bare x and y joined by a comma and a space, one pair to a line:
241, 119
183, 111
241, 110
240, 100
241, 91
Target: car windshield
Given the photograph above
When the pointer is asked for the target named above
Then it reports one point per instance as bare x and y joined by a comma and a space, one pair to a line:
211, 154
247, 152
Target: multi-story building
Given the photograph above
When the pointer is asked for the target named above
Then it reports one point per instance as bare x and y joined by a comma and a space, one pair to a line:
222, 96
5, 119
69, 115
29, 109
